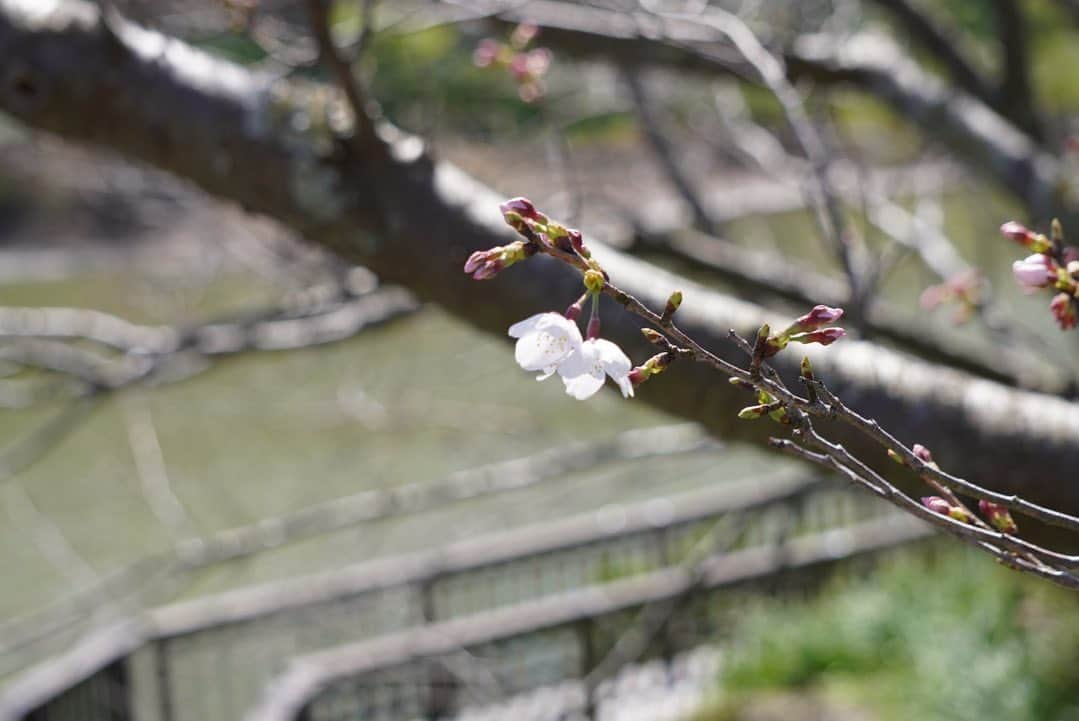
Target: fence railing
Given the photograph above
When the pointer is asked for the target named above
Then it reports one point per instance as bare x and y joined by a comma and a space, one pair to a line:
412, 674
210, 659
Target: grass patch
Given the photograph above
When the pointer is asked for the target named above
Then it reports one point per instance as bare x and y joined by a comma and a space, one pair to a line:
944, 636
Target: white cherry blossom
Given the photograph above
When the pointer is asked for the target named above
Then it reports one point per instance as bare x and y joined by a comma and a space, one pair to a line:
550, 343
583, 371
544, 342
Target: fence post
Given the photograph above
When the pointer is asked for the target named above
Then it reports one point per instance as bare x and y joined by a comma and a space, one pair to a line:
162, 675
587, 642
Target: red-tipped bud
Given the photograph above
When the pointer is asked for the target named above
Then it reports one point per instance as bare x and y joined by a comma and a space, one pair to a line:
936, 504
577, 241
520, 206
824, 336
922, 453
485, 264
821, 315
1018, 232
1063, 309
638, 376
998, 517
1025, 237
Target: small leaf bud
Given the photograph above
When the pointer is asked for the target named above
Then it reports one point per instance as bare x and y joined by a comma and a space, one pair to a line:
752, 413
654, 337
673, 303
998, 517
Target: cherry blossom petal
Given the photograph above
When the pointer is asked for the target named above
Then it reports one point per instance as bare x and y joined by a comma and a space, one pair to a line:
544, 341
583, 386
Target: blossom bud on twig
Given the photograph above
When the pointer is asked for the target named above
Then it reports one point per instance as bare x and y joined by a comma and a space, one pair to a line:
922, 453
484, 264
1063, 309
936, 504
824, 336
523, 34
820, 316
1056, 231
998, 517
652, 367
752, 413
673, 303
1034, 271
652, 336
577, 241
1025, 237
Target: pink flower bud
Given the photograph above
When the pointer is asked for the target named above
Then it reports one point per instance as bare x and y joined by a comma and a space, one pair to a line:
1063, 309
486, 52
638, 376
577, 241
824, 336
1018, 232
523, 34
821, 315
489, 269
998, 517
922, 453
522, 207
1034, 271
936, 504
519, 68
476, 260
537, 62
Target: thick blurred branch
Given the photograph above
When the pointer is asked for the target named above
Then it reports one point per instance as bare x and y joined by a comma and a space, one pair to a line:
871, 63
232, 132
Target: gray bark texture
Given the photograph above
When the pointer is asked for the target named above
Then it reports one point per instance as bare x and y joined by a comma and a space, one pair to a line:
414, 220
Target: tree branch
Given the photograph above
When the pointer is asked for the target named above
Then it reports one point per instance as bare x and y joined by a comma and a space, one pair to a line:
232, 132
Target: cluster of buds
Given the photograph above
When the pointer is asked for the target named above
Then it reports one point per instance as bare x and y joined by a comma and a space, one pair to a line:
521, 215
809, 328
997, 515
965, 289
484, 264
1050, 265
526, 67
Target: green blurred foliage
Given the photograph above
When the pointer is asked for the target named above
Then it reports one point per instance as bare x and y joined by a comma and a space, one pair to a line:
945, 636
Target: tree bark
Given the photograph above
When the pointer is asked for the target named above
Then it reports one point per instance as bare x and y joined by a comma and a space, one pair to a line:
413, 221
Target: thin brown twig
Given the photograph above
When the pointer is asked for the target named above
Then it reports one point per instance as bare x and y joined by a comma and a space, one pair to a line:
365, 134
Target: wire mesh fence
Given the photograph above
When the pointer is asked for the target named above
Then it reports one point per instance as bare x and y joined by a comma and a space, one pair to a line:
569, 594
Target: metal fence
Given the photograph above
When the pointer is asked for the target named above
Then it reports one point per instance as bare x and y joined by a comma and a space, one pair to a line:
210, 659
